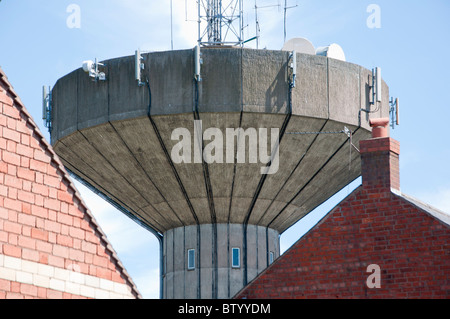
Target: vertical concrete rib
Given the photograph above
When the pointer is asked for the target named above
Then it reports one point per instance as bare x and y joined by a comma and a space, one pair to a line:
210, 197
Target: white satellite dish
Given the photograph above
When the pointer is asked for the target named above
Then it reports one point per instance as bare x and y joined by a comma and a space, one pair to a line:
333, 51
300, 45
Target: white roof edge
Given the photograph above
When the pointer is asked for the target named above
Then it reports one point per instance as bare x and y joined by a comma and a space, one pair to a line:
442, 216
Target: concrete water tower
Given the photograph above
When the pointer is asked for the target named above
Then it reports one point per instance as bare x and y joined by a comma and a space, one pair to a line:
131, 128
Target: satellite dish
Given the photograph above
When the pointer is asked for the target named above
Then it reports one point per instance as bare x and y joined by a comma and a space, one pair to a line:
333, 51
88, 66
300, 45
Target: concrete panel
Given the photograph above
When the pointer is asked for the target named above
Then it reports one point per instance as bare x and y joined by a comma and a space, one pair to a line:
92, 101
191, 175
248, 175
87, 156
274, 242
344, 91
223, 283
252, 253
310, 96
150, 156
206, 284
341, 176
220, 174
272, 212
126, 98
206, 246
168, 286
169, 251
292, 149
171, 77
178, 283
264, 81
129, 169
191, 287
179, 249
191, 276
169, 256
220, 88
65, 120
321, 150
262, 249
146, 215
223, 254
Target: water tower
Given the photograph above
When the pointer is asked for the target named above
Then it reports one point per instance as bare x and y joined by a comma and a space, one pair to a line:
136, 130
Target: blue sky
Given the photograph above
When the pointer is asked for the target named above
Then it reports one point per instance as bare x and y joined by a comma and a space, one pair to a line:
37, 47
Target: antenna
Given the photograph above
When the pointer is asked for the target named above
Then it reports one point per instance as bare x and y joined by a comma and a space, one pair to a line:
379, 87
44, 102
376, 86
221, 21
197, 63
171, 24
394, 112
258, 29
91, 68
138, 67
47, 107
285, 16
293, 67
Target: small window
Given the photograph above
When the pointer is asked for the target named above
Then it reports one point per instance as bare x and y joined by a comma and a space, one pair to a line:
191, 259
271, 255
236, 258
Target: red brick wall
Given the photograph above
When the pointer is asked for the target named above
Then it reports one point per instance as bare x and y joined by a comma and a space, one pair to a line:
411, 247
372, 226
41, 221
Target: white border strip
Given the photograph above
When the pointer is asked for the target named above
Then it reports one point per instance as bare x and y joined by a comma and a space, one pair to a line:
64, 280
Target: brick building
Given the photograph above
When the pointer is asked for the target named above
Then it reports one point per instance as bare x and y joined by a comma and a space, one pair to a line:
376, 243
50, 245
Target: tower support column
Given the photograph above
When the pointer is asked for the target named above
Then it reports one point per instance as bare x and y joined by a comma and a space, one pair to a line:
190, 271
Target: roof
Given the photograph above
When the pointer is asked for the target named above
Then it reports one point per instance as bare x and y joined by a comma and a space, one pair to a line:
65, 178
436, 213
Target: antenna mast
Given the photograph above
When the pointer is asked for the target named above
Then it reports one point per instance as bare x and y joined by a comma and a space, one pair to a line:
220, 22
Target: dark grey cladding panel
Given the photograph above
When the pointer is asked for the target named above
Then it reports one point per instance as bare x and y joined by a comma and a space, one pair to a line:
264, 81
93, 102
344, 91
171, 77
310, 95
64, 104
126, 98
220, 88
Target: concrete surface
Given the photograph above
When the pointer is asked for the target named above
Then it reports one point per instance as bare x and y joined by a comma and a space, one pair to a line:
210, 271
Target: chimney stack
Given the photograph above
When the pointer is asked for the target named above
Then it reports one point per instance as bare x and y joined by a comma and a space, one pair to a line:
380, 159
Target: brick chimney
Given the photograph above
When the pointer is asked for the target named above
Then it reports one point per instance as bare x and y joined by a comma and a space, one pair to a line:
380, 159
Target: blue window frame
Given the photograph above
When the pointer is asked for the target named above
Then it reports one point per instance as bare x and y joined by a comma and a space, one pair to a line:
191, 259
235, 258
